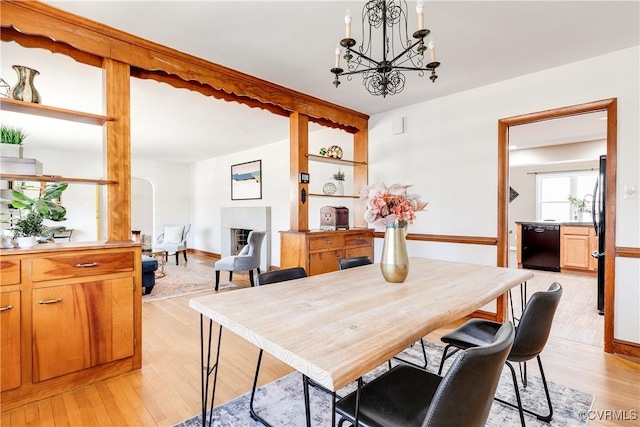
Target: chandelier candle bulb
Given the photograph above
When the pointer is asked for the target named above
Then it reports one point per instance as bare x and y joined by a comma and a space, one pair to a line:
347, 21
432, 51
337, 57
420, 12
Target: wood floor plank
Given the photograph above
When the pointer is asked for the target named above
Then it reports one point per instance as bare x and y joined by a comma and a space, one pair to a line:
31, 414
59, 410
73, 411
102, 416
45, 414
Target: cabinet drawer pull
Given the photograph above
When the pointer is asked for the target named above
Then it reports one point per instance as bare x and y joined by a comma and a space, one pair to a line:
9, 307
50, 301
87, 265
327, 241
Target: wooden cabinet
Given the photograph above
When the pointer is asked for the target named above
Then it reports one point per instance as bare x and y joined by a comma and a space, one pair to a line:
576, 245
10, 368
75, 317
319, 251
80, 326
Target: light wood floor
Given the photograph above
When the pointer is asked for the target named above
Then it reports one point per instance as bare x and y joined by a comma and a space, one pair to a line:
167, 388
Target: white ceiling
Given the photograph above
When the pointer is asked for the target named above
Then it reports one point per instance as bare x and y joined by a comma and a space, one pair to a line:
292, 43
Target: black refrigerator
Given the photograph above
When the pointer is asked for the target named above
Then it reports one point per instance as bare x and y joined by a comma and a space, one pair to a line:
598, 209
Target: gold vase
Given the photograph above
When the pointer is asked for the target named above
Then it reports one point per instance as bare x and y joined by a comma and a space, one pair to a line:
395, 262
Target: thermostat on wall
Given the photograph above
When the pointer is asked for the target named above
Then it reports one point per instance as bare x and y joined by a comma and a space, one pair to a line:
304, 178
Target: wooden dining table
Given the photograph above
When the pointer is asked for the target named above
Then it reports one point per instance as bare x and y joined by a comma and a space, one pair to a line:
335, 327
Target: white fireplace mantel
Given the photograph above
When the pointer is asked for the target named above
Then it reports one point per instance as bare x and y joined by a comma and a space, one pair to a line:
247, 218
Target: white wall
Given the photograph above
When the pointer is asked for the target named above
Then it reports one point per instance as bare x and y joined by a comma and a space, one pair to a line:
450, 153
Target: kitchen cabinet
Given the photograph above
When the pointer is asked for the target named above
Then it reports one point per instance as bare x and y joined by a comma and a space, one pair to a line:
75, 317
577, 243
320, 251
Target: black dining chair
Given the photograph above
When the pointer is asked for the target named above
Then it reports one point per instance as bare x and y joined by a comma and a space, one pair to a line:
532, 333
275, 276
409, 396
357, 261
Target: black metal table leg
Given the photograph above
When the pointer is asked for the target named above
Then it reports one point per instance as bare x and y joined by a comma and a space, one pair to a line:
208, 369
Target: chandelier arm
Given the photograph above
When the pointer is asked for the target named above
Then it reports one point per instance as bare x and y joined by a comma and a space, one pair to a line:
409, 48
373, 61
349, 73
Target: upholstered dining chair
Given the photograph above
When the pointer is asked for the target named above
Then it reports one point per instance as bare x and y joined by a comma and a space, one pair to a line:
409, 396
267, 278
248, 259
173, 240
357, 261
532, 333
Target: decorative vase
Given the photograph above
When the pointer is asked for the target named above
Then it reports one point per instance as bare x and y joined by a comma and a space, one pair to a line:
26, 242
339, 188
395, 262
24, 90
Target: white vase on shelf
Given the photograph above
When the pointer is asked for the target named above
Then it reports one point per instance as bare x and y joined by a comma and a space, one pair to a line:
339, 188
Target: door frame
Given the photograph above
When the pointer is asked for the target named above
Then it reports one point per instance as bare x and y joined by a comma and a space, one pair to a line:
610, 106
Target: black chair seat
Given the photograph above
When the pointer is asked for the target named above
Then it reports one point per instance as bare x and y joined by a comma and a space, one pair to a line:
357, 261
399, 398
473, 333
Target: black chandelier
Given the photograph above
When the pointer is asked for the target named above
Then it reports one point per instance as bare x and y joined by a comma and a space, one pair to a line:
385, 77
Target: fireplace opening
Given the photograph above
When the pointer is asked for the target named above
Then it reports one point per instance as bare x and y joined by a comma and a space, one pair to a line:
239, 238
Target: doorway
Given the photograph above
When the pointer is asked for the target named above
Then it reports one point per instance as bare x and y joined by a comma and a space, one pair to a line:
608, 106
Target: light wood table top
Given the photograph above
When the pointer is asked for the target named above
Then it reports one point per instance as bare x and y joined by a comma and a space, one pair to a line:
336, 327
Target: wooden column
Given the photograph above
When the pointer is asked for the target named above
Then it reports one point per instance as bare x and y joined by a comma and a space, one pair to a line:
360, 172
117, 149
299, 162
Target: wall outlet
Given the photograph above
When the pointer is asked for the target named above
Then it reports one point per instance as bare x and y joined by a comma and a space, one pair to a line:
630, 192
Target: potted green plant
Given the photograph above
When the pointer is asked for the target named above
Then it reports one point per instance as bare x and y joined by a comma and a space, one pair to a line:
580, 206
11, 139
26, 229
32, 211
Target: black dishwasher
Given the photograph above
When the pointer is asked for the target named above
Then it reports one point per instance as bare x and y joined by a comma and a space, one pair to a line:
541, 247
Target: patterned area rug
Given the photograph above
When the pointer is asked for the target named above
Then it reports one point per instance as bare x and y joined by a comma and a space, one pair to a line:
180, 280
281, 402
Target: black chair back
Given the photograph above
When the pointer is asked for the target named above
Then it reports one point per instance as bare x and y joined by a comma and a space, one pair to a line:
281, 275
465, 394
535, 323
354, 262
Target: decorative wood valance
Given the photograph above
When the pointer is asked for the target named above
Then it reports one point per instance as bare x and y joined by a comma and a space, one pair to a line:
34, 24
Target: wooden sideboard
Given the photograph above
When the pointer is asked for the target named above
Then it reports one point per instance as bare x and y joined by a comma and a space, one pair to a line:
319, 251
70, 315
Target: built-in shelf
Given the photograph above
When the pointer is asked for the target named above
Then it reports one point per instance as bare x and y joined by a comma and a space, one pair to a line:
52, 112
53, 178
325, 159
333, 195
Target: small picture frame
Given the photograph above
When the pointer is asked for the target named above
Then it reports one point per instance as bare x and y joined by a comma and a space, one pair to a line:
246, 180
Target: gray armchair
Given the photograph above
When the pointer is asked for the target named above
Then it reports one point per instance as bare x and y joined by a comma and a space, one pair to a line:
247, 260
174, 239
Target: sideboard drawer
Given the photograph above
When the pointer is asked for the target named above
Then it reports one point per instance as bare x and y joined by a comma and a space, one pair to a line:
364, 239
9, 272
62, 267
319, 243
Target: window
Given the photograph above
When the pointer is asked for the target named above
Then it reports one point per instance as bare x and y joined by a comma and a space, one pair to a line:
554, 189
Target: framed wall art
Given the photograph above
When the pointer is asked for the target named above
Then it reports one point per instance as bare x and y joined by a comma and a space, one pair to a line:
246, 180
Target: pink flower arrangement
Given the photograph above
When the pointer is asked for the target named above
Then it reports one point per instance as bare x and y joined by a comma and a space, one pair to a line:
391, 206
